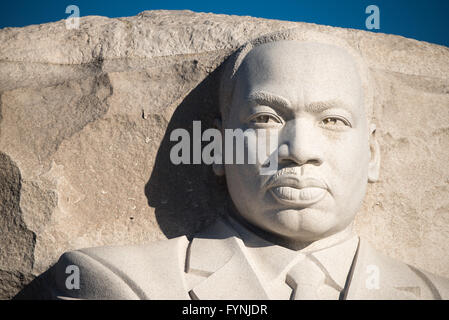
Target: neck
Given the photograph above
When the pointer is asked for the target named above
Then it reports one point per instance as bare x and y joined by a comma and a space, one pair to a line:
295, 244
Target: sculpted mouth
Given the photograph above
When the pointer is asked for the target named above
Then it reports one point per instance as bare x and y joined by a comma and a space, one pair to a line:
297, 192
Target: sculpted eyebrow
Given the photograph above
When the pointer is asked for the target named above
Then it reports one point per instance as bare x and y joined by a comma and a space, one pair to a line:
283, 105
318, 107
269, 99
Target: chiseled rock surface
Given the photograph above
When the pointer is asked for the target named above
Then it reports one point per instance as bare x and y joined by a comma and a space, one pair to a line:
85, 118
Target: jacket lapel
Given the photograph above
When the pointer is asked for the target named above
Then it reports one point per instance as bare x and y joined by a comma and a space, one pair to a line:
375, 276
220, 268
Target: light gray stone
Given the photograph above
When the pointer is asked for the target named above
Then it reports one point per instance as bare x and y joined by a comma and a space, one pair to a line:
86, 116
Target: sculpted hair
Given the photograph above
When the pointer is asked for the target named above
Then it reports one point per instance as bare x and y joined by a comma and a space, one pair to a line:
227, 83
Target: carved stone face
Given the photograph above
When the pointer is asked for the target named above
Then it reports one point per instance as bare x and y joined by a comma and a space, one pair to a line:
311, 95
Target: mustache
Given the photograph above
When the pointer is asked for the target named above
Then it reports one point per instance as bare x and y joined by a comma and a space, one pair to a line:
296, 178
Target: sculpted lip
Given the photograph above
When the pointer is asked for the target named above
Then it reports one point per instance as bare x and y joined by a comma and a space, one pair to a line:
292, 190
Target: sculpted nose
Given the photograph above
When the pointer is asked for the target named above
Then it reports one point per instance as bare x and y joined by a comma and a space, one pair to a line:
301, 144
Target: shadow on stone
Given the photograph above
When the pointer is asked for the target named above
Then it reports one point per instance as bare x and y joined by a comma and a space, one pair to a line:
17, 241
187, 197
39, 288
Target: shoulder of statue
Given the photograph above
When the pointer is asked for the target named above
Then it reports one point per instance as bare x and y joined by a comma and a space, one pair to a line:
375, 275
123, 272
438, 284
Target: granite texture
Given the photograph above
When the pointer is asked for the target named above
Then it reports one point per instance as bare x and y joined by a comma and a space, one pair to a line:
85, 118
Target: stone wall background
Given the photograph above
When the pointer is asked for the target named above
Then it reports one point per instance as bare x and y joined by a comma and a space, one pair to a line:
85, 118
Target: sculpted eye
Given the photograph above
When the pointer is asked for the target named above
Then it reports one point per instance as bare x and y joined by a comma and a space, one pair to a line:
265, 119
335, 122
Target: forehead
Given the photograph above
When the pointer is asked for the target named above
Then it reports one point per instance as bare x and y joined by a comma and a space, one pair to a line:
301, 72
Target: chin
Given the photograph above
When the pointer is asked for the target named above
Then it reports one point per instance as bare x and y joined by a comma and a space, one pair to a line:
303, 225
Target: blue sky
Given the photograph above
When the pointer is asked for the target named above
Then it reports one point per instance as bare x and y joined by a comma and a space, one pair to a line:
426, 20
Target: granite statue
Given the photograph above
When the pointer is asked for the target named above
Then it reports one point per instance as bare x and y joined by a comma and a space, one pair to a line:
290, 234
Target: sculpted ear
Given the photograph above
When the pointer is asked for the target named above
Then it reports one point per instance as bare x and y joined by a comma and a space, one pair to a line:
374, 164
216, 167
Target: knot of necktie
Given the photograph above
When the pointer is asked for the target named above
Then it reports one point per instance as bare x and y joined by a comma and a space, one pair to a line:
305, 278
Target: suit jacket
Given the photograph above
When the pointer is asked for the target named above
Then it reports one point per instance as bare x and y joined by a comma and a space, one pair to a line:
207, 266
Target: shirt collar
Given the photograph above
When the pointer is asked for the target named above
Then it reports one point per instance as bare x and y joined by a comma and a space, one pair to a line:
274, 261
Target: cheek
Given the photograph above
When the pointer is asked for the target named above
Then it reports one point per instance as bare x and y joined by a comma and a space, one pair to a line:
244, 189
349, 169
261, 143
349, 155
243, 181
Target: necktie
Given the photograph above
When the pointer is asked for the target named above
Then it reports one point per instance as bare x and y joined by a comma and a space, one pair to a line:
306, 279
